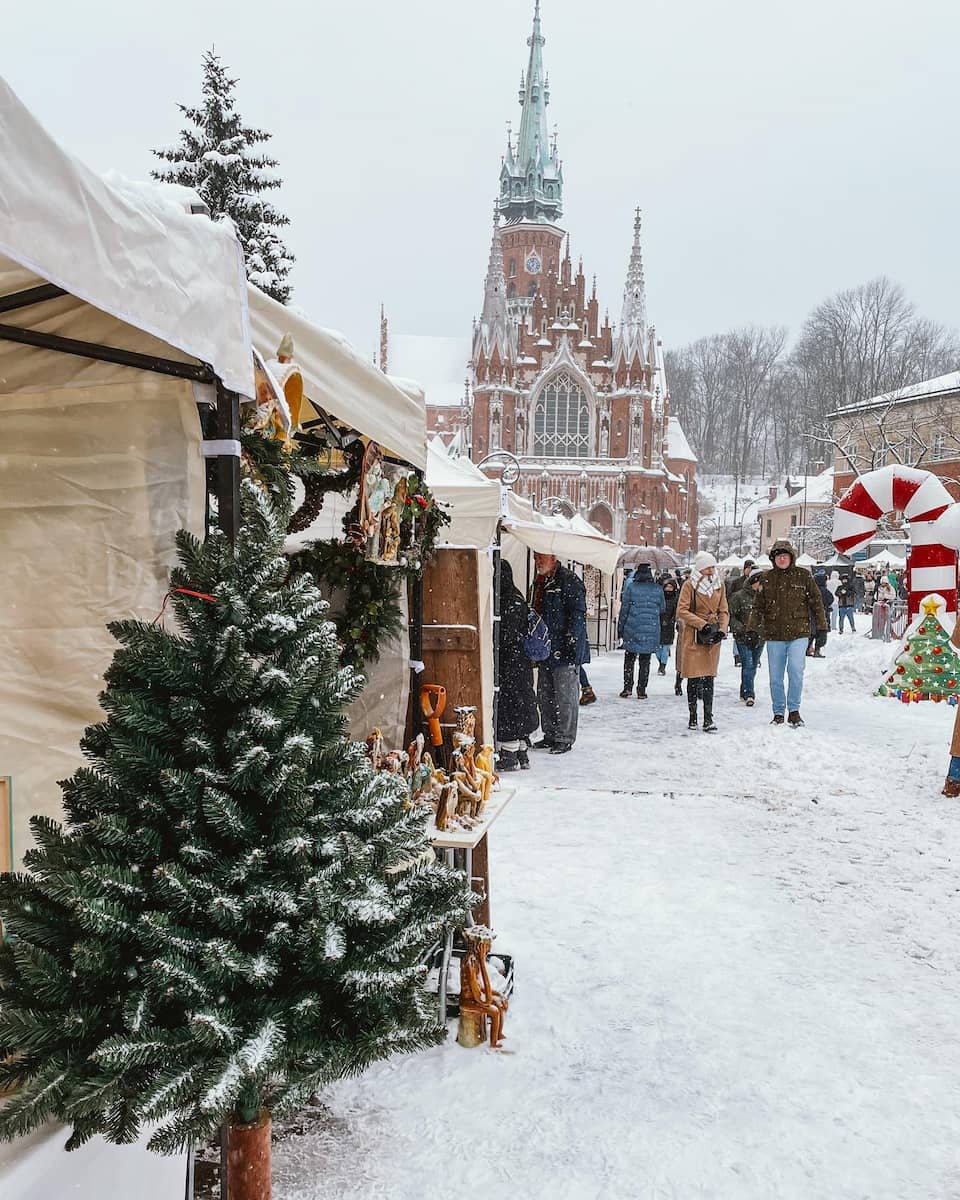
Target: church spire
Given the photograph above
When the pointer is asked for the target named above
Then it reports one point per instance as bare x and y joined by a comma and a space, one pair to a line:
495, 285
531, 180
633, 319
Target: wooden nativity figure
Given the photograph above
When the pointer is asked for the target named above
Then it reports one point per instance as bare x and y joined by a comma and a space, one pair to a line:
479, 1001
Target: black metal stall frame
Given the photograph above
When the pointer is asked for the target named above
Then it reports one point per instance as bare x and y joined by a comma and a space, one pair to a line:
224, 448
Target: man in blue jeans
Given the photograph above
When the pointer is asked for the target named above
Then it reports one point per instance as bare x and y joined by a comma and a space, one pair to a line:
787, 602
846, 598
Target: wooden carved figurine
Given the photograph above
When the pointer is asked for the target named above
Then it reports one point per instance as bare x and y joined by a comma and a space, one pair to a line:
478, 999
487, 772
375, 749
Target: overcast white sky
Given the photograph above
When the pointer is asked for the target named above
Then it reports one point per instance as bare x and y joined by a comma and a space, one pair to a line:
779, 151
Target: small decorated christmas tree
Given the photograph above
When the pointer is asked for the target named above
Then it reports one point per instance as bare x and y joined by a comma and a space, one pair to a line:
237, 908
927, 666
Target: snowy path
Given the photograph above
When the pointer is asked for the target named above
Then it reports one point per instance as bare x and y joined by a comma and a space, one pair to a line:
723, 989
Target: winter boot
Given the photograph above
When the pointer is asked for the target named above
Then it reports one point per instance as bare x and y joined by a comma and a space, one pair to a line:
662, 669
626, 693
588, 695
524, 760
708, 725
777, 719
641, 693
951, 787
678, 687
794, 719
693, 722
507, 760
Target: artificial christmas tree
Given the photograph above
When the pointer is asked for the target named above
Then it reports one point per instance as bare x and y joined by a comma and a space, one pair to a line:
216, 156
237, 907
927, 667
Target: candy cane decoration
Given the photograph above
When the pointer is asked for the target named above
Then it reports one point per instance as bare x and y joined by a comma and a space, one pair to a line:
922, 499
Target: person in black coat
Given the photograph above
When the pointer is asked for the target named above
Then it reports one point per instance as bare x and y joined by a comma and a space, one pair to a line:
668, 621
517, 712
819, 639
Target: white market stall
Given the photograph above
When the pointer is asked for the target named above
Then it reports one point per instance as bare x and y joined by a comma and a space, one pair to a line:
120, 314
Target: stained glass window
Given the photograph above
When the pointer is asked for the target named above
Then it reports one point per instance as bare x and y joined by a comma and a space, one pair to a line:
561, 420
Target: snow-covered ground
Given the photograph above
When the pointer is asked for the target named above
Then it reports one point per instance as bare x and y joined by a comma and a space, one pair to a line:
738, 960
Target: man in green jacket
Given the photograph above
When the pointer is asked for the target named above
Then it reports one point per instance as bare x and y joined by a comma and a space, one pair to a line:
787, 603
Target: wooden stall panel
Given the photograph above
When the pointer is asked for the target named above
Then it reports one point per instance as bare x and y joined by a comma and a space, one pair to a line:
451, 638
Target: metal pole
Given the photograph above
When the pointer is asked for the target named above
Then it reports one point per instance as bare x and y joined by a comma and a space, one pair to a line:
228, 465
496, 630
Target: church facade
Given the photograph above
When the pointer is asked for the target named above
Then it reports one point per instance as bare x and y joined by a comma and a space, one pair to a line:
582, 404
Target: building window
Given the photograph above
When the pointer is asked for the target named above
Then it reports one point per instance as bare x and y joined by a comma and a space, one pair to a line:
793, 519
769, 526
937, 447
513, 267
511, 290
532, 289
561, 420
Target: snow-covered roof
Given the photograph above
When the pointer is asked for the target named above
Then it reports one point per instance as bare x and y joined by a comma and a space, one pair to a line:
677, 445
941, 385
129, 251
807, 490
439, 364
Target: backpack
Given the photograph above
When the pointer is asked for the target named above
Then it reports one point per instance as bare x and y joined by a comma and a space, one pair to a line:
536, 643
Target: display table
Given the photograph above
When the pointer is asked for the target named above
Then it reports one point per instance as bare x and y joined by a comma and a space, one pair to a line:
471, 844
37, 1167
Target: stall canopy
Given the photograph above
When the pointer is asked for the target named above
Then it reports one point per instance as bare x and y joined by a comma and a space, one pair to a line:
806, 560
342, 383
158, 269
593, 549
884, 559
472, 500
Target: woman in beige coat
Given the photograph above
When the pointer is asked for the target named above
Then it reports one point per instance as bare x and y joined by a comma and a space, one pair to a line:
702, 603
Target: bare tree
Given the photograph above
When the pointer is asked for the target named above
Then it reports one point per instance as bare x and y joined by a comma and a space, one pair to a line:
751, 356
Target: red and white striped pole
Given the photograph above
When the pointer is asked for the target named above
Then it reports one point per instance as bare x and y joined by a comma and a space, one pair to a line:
934, 531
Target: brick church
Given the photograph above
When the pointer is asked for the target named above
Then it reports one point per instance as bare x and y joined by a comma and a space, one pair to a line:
582, 404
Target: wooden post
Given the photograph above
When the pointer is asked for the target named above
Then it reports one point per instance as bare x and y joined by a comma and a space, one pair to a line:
248, 1159
6, 824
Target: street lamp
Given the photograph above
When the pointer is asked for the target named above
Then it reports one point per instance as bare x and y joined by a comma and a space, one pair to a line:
755, 500
713, 521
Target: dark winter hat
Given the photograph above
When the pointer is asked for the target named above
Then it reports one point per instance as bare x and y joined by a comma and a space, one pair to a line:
748, 562
642, 573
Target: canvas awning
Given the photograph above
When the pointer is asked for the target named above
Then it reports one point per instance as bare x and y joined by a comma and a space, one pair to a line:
176, 280
342, 383
593, 550
472, 500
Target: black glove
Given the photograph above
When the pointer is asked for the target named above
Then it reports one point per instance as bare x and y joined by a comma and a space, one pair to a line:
751, 639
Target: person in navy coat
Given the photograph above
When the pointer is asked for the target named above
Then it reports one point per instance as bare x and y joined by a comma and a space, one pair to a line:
638, 627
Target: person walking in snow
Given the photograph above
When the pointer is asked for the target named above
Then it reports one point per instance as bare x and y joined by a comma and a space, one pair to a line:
702, 610
846, 599
786, 601
638, 627
818, 638
517, 713
559, 597
749, 641
668, 621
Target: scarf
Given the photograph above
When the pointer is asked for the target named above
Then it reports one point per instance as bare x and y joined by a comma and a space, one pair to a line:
705, 585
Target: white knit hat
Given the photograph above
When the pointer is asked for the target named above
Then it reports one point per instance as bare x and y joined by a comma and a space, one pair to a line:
704, 559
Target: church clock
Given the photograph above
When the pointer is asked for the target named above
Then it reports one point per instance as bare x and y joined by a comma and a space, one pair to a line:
533, 264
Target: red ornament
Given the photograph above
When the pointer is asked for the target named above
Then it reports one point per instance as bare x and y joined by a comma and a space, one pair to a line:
938, 670
951, 683
901, 670
889, 679
918, 683
906, 645
918, 658
922, 629
938, 649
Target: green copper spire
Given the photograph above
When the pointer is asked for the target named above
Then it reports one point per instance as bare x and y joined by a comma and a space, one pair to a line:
531, 179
